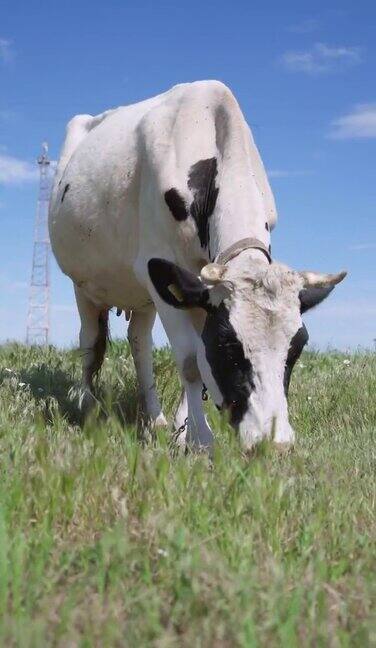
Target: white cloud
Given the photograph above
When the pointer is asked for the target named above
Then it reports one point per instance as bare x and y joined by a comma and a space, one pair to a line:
64, 308
10, 286
351, 308
321, 59
16, 171
343, 323
305, 26
284, 173
359, 247
6, 50
18, 285
360, 123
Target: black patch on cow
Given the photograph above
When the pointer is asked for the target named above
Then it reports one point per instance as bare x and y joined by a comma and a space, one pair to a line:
175, 203
270, 248
231, 370
190, 290
267, 227
65, 191
201, 181
297, 344
311, 297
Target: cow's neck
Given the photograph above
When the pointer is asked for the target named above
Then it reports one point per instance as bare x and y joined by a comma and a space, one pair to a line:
236, 185
240, 210
246, 219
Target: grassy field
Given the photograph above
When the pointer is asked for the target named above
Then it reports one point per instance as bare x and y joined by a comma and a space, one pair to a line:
105, 541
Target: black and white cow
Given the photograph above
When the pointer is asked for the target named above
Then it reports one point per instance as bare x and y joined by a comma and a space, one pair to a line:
165, 206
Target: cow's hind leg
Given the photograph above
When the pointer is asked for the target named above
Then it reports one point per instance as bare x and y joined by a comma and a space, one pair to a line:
93, 338
141, 343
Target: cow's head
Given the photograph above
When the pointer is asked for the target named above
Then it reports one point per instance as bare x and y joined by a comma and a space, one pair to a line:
252, 334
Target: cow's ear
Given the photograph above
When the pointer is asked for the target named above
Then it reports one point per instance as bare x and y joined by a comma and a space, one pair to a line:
311, 297
177, 287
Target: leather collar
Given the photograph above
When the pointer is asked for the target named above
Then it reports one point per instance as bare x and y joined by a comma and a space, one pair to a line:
238, 247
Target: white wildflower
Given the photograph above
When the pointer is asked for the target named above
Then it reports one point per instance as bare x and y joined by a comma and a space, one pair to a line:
346, 363
162, 552
22, 384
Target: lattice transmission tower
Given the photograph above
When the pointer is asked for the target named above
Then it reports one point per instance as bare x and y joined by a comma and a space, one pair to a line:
38, 318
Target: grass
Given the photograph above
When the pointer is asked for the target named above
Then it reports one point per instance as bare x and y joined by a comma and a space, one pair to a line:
105, 541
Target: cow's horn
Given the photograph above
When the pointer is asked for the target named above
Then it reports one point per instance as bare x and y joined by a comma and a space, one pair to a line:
213, 273
321, 280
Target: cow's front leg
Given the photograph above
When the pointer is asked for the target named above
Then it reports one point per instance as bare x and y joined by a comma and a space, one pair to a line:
198, 434
141, 343
181, 419
184, 339
190, 424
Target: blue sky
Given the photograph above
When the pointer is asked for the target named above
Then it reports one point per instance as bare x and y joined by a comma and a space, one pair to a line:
304, 74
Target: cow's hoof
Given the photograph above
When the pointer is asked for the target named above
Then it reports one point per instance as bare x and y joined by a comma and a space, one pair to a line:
284, 448
148, 425
160, 421
86, 403
249, 452
196, 449
179, 439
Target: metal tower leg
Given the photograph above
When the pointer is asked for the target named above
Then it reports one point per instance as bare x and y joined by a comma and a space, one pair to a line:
38, 319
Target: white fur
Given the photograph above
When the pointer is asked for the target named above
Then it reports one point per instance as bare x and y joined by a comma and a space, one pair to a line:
113, 219
265, 314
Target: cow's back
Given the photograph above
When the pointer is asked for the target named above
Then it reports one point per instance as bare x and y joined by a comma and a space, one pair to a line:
93, 218
108, 205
